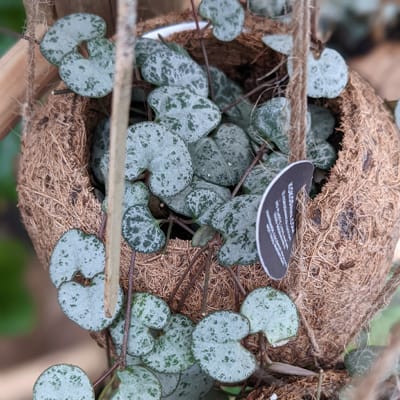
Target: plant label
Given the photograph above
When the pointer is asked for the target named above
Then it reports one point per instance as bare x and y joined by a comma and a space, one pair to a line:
276, 218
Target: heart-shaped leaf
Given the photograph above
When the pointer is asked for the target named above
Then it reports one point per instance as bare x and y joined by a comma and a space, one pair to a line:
172, 353
63, 382
178, 204
322, 155
202, 203
147, 312
68, 33
227, 92
322, 123
272, 121
194, 384
202, 236
168, 382
85, 304
236, 220
137, 383
135, 194
280, 42
272, 312
99, 154
184, 113
168, 68
146, 46
269, 8
262, 175
227, 17
397, 114
152, 147
92, 76
141, 230
216, 346
224, 157
76, 252
326, 76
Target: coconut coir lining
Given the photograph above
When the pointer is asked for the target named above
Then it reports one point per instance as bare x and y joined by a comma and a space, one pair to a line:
348, 233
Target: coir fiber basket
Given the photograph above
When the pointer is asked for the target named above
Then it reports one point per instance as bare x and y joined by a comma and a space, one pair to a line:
348, 233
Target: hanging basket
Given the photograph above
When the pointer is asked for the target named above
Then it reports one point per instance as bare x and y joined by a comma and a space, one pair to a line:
349, 230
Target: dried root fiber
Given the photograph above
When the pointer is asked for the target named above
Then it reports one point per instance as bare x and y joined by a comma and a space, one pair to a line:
344, 244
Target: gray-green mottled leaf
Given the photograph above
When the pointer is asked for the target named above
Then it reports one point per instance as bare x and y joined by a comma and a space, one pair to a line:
359, 361
236, 220
272, 121
321, 154
397, 114
177, 202
272, 312
63, 382
227, 17
194, 384
172, 353
216, 346
322, 123
184, 113
226, 92
169, 382
68, 32
137, 383
76, 252
85, 304
92, 76
135, 194
146, 46
148, 312
141, 230
203, 203
280, 42
150, 146
202, 236
223, 157
269, 8
262, 175
326, 76
99, 153
169, 68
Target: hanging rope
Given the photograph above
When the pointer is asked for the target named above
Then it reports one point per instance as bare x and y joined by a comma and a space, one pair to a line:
297, 88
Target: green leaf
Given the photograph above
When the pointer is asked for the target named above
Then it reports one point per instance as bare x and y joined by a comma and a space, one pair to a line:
194, 384
92, 76
141, 230
135, 194
169, 382
322, 155
322, 123
326, 76
269, 8
202, 203
227, 17
272, 312
223, 157
152, 147
137, 383
144, 47
68, 33
236, 220
202, 236
397, 114
75, 252
281, 42
85, 304
63, 382
169, 68
227, 92
262, 175
9, 149
148, 312
184, 113
99, 156
172, 353
178, 204
216, 346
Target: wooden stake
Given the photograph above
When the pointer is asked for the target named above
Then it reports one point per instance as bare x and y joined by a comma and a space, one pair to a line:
125, 52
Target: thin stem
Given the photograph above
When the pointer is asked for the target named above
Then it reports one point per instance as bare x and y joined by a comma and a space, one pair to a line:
256, 159
106, 374
168, 235
203, 49
107, 389
102, 227
57, 92
181, 223
235, 278
206, 283
128, 311
237, 294
314, 20
320, 382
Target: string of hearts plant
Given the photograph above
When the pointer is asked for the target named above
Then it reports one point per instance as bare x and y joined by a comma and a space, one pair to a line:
207, 159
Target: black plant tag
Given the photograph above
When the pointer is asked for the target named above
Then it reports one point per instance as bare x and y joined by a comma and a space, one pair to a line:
276, 218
